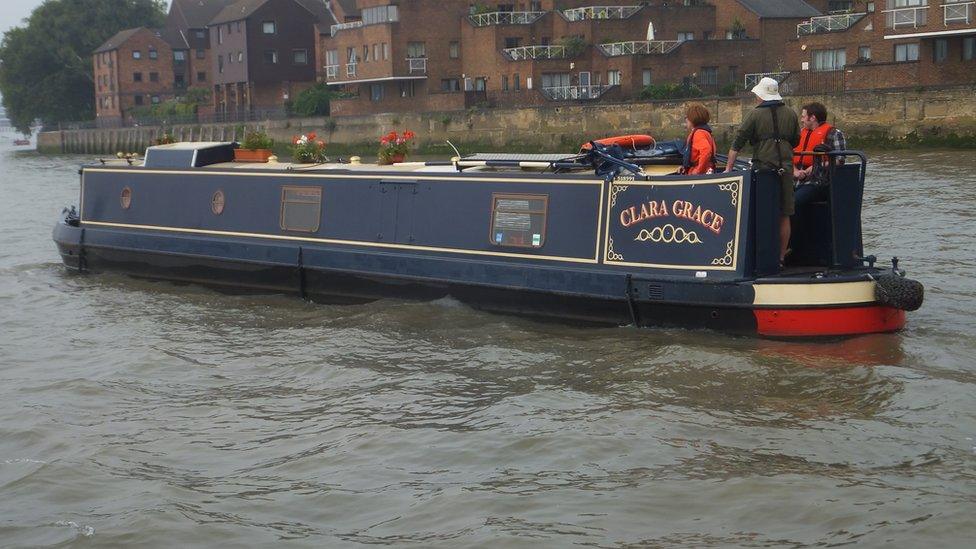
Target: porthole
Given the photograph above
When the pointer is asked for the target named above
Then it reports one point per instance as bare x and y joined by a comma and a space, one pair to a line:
126, 198
217, 203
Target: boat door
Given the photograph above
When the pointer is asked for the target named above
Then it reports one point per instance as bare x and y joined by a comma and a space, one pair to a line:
584, 83
393, 217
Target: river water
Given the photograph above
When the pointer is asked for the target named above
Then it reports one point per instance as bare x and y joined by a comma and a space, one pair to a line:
134, 412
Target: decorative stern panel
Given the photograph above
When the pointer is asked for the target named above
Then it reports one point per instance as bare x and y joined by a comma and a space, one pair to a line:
680, 224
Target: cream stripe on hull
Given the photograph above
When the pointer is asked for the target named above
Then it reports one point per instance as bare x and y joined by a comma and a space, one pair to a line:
814, 294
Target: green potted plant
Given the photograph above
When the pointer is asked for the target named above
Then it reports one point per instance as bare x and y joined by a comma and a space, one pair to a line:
255, 148
307, 150
394, 147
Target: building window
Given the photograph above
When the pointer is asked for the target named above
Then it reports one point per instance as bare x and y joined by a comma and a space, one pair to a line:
450, 85
416, 50
240, 57
454, 50
301, 208
407, 88
684, 36
870, 8
125, 198
480, 84
300, 57
709, 76
379, 14
505, 82
829, 60
376, 92
200, 34
201, 77
137, 100
179, 56
136, 54
220, 35
153, 54
137, 77
217, 202
516, 82
646, 77
154, 77
968, 48
940, 50
271, 56
518, 220
155, 99
269, 27
513, 42
365, 53
377, 55
906, 52
220, 64
201, 53
179, 81
863, 54
613, 78
386, 52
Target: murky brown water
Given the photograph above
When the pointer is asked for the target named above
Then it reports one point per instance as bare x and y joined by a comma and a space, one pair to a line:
160, 415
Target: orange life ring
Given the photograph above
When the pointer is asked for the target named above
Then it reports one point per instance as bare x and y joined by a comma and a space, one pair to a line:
626, 141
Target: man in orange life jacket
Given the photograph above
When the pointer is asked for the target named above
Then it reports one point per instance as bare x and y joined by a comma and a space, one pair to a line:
812, 172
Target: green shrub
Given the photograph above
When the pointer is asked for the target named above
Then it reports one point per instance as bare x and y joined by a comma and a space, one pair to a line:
257, 139
670, 91
729, 90
314, 101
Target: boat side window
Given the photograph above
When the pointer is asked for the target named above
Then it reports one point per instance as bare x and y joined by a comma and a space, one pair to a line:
519, 220
301, 208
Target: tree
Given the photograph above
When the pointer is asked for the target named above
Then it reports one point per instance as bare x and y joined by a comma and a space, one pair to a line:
314, 101
46, 66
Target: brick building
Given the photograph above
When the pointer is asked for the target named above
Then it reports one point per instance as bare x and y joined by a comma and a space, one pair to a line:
188, 20
263, 53
886, 44
134, 68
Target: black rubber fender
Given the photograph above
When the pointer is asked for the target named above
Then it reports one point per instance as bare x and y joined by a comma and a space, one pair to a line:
893, 290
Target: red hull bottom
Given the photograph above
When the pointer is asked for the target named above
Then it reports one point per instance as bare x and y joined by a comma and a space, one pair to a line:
828, 322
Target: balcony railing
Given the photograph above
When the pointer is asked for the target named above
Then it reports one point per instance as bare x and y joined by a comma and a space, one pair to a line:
417, 65
913, 17
644, 47
574, 93
536, 52
600, 12
957, 11
350, 69
344, 26
750, 80
331, 72
505, 18
829, 23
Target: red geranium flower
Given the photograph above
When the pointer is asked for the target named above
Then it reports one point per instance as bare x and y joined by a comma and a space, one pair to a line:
311, 136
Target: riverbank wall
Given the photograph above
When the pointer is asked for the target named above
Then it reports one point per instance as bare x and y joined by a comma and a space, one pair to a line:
944, 117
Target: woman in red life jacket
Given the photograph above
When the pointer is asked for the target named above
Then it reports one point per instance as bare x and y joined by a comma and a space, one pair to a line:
699, 155
815, 135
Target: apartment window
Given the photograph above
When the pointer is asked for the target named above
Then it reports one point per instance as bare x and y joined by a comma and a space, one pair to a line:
386, 52
271, 56
269, 27
379, 14
376, 92
179, 80
199, 34
201, 77
137, 77
301, 208
351, 55
555, 80
829, 60
968, 49
454, 50
365, 53
906, 52
940, 50
480, 84
138, 100
240, 57
513, 42
154, 77
220, 35
518, 220
516, 82
136, 54
332, 57
300, 57
613, 78
220, 64
709, 76
179, 56
416, 49
153, 54
864, 54
407, 88
450, 85
155, 100
201, 53
682, 36
646, 77
377, 55
230, 58
505, 82
870, 8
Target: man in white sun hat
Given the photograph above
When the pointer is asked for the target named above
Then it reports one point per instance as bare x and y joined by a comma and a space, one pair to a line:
773, 130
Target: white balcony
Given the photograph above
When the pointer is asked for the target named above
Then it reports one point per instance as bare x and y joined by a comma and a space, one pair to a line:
753, 78
350, 69
829, 23
643, 47
957, 12
331, 72
417, 65
536, 52
344, 26
600, 12
505, 18
910, 17
574, 93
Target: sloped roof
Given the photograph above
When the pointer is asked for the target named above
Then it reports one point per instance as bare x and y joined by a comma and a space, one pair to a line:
194, 14
348, 7
780, 9
175, 38
242, 9
117, 40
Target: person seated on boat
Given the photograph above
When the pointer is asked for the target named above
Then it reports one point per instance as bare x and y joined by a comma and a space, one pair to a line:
812, 173
773, 130
699, 153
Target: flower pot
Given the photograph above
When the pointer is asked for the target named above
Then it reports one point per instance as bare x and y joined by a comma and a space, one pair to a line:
392, 159
252, 155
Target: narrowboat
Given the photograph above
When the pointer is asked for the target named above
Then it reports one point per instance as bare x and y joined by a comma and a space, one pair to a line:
607, 235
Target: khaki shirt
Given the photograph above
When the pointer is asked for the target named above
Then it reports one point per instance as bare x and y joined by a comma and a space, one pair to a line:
757, 130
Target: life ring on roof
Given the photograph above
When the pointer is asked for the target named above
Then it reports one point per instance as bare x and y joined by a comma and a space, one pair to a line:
632, 142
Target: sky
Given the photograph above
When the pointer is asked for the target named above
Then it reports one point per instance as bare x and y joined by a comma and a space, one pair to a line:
12, 12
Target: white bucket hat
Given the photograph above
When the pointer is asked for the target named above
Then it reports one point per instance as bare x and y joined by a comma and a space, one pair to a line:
768, 90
